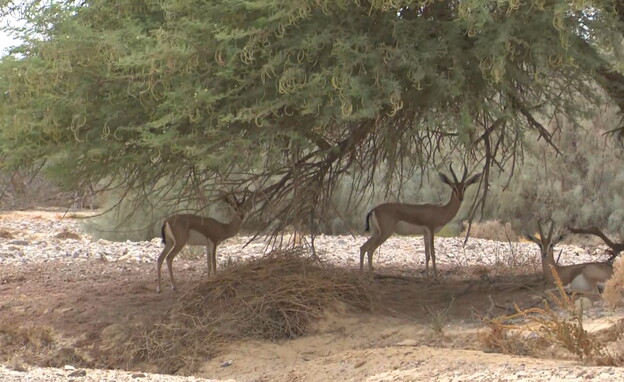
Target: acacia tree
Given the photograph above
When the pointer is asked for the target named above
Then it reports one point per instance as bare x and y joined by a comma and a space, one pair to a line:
285, 97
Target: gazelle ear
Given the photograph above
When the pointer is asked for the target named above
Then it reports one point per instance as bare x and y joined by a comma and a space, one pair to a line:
445, 179
533, 239
474, 179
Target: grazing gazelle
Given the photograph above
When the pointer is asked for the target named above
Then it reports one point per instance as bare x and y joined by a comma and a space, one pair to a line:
409, 219
188, 229
584, 278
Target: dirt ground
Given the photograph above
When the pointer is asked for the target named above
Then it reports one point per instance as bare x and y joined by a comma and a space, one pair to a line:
72, 313
86, 302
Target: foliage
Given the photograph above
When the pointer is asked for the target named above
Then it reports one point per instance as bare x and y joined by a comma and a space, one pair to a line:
574, 187
286, 98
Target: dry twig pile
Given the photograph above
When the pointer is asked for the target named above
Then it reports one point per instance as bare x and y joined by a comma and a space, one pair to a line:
272, 298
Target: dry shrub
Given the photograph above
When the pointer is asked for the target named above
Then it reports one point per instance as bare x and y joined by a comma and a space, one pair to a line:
492, 230
613, 293
275, 297
563, 327
504, 338
67, 234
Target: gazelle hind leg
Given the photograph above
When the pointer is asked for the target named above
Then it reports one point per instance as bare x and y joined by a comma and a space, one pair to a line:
172, 254
166, 251
379, 240
427, 255
364, 249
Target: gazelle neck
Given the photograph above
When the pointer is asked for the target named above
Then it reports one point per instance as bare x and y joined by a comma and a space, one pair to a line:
234, 226
547, 261
452, 207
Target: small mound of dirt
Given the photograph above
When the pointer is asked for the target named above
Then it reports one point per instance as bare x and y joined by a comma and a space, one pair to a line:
4, 234
275, 297
26, 343
67, 234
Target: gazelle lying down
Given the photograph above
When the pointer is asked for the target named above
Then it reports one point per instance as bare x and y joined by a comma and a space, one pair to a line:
580, 278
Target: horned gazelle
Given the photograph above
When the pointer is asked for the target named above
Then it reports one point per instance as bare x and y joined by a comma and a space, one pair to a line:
409, 219
585, 277
188, 229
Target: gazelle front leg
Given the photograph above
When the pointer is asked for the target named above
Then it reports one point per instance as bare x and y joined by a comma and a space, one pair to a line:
427, 251
432, 253
174, 251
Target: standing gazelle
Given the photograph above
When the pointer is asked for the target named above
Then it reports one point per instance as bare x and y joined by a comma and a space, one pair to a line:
188, 229
585, 277
409, 219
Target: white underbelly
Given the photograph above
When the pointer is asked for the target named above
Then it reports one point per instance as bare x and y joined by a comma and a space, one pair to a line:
404, 228
196, 238
579, 283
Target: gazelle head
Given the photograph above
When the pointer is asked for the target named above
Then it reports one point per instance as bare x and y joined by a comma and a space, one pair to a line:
238, 206
546, 242
459, 186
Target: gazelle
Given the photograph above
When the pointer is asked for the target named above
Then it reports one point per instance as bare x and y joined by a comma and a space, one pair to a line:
409, 219
585, 277
188, 229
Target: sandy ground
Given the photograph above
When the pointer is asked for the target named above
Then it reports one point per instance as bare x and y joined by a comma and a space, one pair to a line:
80, 306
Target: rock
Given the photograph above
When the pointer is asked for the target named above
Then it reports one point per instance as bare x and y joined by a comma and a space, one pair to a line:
19, 242
78, 373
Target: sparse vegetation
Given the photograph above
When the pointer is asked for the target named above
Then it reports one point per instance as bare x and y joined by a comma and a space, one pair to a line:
562, 327
439, 318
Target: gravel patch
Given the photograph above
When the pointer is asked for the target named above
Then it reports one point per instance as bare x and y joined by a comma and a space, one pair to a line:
35, 240
45, 374
342, 250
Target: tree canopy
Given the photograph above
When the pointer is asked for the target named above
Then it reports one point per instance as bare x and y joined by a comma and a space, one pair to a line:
286, 97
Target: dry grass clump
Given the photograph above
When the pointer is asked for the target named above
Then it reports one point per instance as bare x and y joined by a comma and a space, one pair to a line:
492, 230
275, 297
563, 327
613, 292
505, 338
